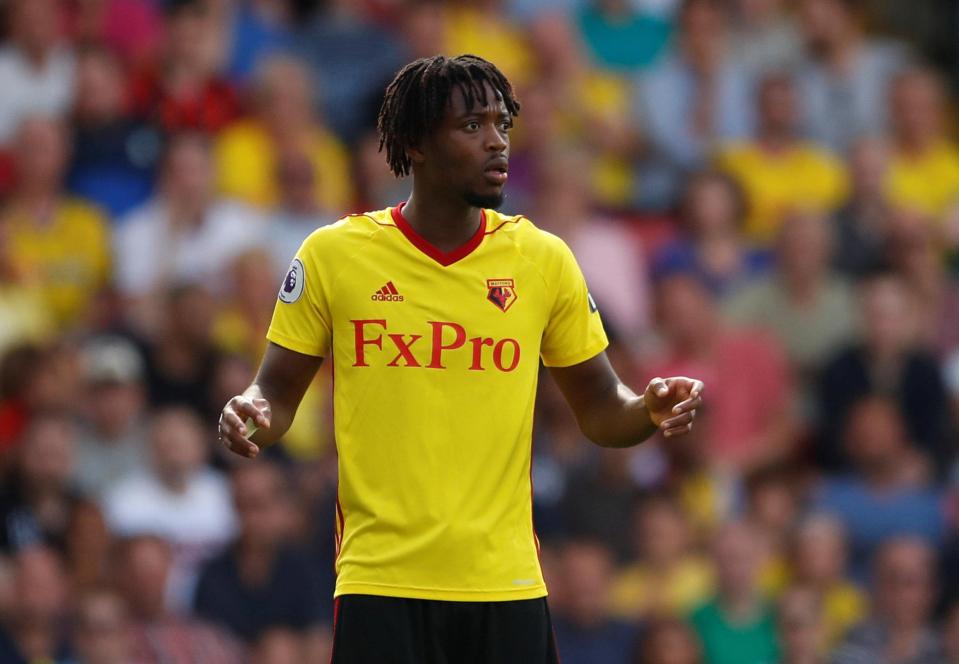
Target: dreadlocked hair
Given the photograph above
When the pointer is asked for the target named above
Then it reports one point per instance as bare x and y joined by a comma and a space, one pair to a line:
417, 98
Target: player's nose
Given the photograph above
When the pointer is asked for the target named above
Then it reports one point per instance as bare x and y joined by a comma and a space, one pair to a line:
496, 141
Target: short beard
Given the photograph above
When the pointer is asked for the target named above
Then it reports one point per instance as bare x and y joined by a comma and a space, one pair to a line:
492, 202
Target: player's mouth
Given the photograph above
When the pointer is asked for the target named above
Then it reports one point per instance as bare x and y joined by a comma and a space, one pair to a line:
496, 171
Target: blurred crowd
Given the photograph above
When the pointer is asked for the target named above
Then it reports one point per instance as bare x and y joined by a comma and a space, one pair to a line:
763, 194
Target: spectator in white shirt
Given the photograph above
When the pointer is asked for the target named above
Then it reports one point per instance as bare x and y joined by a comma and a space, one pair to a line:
184, 234
181, 500
36, 69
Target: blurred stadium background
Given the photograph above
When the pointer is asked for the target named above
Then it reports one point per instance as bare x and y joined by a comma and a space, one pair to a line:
762, 193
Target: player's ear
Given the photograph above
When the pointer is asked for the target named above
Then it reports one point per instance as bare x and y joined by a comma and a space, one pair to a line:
415, 153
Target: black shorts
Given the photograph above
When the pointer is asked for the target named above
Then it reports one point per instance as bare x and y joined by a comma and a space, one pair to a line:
369, 629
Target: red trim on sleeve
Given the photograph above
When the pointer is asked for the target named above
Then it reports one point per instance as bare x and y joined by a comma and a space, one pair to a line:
443, 258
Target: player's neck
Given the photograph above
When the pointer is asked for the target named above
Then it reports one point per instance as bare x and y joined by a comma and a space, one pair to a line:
446, 222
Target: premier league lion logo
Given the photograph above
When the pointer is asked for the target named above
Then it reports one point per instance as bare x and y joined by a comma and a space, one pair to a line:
502, 292
293, 283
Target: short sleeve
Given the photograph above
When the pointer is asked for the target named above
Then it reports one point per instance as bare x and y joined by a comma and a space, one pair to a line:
301, 318
574, 332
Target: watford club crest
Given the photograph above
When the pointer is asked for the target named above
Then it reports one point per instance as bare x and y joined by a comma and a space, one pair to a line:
502, 292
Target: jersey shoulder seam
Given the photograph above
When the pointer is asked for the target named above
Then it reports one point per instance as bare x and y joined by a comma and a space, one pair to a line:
348, 259
519, 251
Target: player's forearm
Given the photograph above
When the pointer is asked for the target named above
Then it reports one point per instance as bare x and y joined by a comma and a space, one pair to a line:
621, 420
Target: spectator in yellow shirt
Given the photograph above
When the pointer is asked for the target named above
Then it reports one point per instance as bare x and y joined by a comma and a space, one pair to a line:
818, 552
247, 151
924, 166
778, 170
667, 578
61, 244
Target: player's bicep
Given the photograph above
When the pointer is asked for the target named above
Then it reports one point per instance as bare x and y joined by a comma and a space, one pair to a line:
574, 332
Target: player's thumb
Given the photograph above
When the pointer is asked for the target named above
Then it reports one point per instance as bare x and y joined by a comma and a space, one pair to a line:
659, 387
264, 413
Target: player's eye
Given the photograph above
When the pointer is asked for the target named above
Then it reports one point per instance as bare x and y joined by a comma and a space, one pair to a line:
506, 125
473, 126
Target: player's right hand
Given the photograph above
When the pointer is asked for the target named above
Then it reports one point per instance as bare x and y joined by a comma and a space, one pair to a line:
234, 433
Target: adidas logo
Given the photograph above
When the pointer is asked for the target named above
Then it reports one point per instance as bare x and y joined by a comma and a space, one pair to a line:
387, 294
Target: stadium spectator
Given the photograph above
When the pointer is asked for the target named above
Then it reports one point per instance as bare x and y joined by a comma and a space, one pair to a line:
60, 241
888, 360
180, 499
698, 95
34, 630
591, 108
749, 421
101, 629
184, 234
348, 76
862, 223
778, 171
844, 78
708, 492
36, 67
711, 246
818, 552
250, 32
610, 255
667, 575
23, 316
950, 634
112, 443
181, 358
800, 627
620, 36
771, 507
182, 90
482, 28
132, 29
924, 164
765, 37
38, 506
159, 636
737, 625
810, 310
244, 316
300, 209
248, 153
915, 252
585, 630
598, 500
261, 582
899, 629
668, 641
889, 492
114, 155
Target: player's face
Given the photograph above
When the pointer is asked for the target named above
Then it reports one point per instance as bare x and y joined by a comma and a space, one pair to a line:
470, 151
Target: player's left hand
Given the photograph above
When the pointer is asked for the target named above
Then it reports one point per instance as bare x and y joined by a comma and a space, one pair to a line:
672, 403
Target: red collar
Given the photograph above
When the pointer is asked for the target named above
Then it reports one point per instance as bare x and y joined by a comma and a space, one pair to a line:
424, 245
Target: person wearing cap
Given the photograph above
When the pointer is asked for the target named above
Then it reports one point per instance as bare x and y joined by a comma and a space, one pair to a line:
112, 444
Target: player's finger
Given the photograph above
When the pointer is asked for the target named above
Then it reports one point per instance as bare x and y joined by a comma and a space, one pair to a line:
231, 421
239, 445
246, 408
659, 387
233, 434
688, 405
679, 420
265, 415
678, 431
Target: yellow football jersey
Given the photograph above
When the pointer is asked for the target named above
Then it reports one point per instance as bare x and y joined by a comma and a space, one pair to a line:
435, 359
